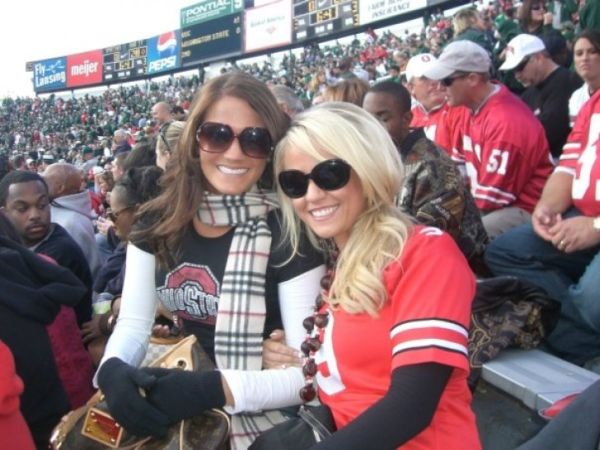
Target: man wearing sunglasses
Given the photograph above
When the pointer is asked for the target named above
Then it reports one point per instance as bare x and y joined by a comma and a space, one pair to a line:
549, 86
504, 148
440, 122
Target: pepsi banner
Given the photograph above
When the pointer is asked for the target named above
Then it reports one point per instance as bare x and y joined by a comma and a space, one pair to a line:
382, 9
84, 69
209, 10
125, 61
268, 26
213, 40
163, 52
50, 75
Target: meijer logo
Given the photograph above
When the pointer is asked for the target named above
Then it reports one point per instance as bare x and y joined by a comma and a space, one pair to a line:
86, 68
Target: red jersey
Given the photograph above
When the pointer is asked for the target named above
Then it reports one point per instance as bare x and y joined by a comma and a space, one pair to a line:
13, 429
580, 158
506, 154
443, 125
421, 322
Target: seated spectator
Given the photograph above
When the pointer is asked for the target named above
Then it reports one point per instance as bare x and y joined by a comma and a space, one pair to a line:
586, 52
168, 138
339, 172
287, 100
469, 25
534, 18
560, 250
178, 113
433, 190
120, 142
135, 188
352, 90
548, 86
161, 113
507, 165
35, 299
25, 200
441, 123
71, 208
143, 154
88, 160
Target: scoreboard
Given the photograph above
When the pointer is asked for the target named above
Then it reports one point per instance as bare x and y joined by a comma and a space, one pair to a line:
315, 18
126, 60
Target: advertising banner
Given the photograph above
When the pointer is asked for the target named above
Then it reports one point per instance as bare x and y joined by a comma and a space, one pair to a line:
316, 18
209, 10
212, 40
163, 52
268, 26
372, 11
50, 74
125, 61
84, 69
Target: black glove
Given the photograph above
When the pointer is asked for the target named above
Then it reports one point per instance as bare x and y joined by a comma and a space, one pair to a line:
181, 394
120, 384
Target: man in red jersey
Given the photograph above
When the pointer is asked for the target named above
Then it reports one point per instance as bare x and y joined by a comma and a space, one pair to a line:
560, 250
504, 148
431, 112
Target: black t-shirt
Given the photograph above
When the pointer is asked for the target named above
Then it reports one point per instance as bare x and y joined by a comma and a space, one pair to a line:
192, 288
549, 101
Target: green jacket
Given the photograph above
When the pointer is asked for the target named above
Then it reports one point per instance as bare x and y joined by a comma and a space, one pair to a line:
589, 16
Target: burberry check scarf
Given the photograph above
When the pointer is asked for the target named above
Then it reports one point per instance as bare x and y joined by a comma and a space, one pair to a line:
242, 309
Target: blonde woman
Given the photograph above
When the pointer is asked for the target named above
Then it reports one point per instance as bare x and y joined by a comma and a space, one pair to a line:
168, 137
387, 344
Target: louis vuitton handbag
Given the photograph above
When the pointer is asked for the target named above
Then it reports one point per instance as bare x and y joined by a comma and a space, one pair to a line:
91, 427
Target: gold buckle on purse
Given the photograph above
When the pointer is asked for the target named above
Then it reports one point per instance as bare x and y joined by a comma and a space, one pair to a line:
101, 427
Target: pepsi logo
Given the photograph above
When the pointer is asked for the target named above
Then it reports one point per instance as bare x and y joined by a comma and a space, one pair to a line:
167, 42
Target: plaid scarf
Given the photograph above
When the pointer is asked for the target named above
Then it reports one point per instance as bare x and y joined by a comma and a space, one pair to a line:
242, 309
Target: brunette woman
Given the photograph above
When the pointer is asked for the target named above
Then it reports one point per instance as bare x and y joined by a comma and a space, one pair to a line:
210, 249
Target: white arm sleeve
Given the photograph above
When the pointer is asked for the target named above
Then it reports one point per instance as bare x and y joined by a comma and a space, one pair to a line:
129, 340
277, 388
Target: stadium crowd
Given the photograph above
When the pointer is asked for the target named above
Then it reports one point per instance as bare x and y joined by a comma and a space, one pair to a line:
491, 115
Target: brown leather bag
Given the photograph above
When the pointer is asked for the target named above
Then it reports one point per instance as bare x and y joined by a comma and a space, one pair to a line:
91, 427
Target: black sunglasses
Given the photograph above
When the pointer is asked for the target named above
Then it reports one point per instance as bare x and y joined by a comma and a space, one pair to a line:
328, 175
214, 137
447, 82
113, 216
522, 64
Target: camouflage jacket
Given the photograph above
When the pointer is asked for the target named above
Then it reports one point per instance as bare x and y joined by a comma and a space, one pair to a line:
434, 192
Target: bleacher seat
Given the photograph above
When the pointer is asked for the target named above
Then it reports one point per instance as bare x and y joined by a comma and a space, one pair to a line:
536, 378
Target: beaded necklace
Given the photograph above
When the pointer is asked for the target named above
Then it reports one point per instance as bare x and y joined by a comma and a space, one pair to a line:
313, 325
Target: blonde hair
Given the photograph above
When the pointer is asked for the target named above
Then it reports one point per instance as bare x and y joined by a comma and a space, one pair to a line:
464, 19
345, 131
169, 136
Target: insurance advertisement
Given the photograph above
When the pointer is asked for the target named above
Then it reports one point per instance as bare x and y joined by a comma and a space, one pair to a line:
372, 11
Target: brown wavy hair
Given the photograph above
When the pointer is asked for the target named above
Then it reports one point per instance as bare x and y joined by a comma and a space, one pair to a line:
163, 221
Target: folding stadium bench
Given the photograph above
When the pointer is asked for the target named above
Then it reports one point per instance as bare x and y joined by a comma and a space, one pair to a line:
536, 378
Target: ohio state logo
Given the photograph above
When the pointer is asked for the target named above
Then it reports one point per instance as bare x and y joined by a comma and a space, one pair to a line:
192, 292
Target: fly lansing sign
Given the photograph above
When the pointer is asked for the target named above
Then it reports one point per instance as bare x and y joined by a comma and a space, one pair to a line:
209, 10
